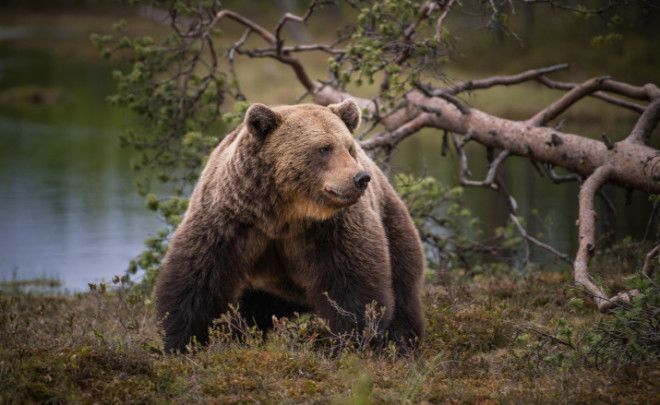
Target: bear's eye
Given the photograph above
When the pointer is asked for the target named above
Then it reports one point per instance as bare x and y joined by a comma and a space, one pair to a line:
325, 151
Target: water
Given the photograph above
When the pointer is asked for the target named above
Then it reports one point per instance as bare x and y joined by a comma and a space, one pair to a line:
68, 209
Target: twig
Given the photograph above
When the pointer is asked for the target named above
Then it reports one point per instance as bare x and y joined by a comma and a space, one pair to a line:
650, 221
430, 92
537, 242
647, 270
341, 311
513, 208
441, 19
392, 138
558, 178
567, 7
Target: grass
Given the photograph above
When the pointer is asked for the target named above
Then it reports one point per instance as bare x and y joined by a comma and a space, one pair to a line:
491, 338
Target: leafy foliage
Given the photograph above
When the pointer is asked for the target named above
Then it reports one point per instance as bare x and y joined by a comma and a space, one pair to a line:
630, 336
105, 345
449, 229
176, 87
391, 38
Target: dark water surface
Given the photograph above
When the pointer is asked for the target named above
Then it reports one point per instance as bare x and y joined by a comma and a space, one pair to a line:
68, 209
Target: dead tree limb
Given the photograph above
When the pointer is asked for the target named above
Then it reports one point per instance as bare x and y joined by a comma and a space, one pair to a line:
647, 270
587, 244
646, 124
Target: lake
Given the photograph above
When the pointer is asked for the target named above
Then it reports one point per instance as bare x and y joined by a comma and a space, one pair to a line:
69, 210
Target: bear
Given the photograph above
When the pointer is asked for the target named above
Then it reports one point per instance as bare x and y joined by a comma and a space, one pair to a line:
290, 214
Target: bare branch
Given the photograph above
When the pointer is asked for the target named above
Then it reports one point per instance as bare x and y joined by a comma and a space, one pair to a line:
646, 123
523, 232
493, 182
553, 84
459, 146
572, 152
566, 101
644, 93
502, 80
295, 64
587, 230
513, 209
654, 210
567, 7
558, 178
239, 18
313, 47
489, 181
292, 17
441, 19
392, 138
647, 270
231, 52
429, 92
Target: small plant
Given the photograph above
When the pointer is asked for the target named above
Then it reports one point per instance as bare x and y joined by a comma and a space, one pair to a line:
631, 335
449, 229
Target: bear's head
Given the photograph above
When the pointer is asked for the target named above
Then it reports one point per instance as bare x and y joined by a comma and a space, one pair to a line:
312, 154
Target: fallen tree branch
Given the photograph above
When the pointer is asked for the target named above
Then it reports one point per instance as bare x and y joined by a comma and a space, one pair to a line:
633, 165
587, 230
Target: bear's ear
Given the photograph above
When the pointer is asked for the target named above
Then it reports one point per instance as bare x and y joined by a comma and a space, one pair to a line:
349, 112
261, 120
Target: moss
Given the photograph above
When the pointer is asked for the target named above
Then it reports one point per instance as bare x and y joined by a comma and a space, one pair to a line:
502, 337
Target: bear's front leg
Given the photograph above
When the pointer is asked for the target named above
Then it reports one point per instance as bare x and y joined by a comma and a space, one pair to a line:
346, 266
343, 302
407, 261
199, 278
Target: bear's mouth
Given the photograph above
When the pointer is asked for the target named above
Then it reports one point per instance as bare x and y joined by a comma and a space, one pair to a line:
341, 199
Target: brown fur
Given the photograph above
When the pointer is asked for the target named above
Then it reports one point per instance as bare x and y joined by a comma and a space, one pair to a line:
276, 221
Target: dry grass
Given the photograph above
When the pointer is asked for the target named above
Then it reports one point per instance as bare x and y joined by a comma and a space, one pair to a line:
481, 346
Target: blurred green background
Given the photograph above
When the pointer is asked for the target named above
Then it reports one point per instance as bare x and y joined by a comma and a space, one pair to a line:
68, 208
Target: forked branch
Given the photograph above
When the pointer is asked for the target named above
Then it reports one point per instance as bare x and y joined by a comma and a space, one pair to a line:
587, 244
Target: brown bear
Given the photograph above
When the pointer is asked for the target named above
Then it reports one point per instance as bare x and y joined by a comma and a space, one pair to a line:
291, 214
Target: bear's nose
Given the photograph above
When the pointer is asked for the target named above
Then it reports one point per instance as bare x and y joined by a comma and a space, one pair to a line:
361, 180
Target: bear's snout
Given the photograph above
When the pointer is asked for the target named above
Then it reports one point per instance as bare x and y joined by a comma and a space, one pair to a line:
361, 180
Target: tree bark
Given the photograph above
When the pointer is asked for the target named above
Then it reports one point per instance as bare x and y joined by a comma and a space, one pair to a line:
633, 164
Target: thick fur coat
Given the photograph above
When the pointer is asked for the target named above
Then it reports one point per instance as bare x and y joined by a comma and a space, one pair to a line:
291, 214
